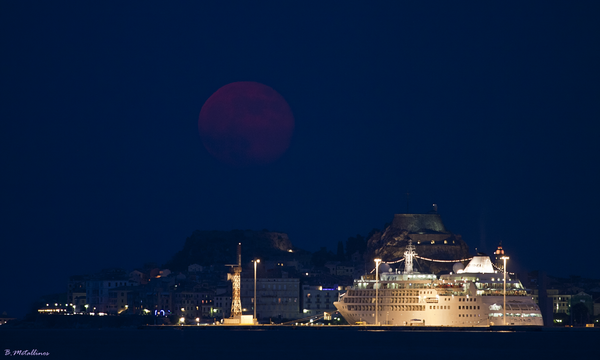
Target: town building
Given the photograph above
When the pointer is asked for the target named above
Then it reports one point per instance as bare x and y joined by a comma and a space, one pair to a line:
561, 303
337, 268
277, 298
193, 304
317, 299
222, 305
76, 293
98, 286
123, 298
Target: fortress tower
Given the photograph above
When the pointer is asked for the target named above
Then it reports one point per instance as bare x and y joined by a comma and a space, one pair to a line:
427, 233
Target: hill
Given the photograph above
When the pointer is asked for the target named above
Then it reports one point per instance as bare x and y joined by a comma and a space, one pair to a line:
220, 247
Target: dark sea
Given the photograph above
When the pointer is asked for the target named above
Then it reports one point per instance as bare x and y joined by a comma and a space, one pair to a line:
214, 342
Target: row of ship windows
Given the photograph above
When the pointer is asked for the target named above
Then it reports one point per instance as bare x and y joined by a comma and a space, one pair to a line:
383, 293
387, 300
386, 307
383, 300
467, 299
395, 285
459, 299
447, 307
386, 293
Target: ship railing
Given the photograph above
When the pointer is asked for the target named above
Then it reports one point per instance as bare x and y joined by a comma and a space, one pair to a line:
449, 292
500, 293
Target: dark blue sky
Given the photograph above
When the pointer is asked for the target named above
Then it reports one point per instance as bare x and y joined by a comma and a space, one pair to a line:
490, 111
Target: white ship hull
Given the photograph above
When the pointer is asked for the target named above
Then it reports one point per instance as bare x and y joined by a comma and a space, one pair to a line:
462, 300
444, 313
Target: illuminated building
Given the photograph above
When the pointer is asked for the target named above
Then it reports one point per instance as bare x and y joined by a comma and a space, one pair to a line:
222, 305
277, 298
98, 286
122, 298
317, 299
193, 304
76, 293
563, 302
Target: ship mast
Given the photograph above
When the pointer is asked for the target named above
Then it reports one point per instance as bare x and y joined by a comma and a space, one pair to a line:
409, 254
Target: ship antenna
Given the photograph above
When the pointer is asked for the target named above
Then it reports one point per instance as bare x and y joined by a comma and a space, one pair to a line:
409, 254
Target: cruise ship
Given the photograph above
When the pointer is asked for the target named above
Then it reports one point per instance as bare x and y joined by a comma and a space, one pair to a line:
476, 296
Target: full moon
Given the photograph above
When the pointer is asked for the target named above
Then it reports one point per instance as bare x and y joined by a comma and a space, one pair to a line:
246, 123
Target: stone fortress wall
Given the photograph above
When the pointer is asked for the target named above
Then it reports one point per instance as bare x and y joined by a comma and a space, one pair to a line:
429, 236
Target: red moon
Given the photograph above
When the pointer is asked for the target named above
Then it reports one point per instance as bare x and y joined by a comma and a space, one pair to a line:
246, 123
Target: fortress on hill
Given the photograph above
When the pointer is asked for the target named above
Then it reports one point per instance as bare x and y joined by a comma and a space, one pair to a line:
428, 235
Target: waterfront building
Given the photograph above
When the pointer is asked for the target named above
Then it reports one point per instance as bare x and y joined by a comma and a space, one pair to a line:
317, 299
561, 302
277, 298
582, 301
122, 299
222, 304
98, 286
76, 293
192, 304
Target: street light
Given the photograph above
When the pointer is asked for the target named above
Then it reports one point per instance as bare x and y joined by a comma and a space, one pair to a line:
255, 261
504, 306
377, 262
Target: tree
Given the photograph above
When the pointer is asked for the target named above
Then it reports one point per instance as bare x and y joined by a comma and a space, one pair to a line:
354, 244
580, 314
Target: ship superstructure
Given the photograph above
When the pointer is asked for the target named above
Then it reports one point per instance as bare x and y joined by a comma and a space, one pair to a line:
474, 296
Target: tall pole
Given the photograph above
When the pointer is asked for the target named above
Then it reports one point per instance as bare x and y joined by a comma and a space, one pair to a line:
236, 302
256, 261
377, 261
504, 306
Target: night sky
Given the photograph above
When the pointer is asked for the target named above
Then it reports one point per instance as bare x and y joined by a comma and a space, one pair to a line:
489, 110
